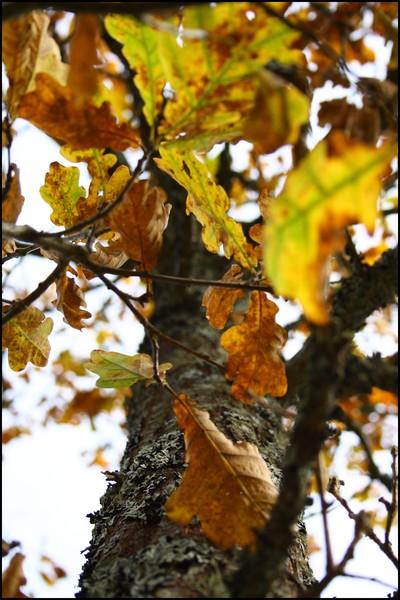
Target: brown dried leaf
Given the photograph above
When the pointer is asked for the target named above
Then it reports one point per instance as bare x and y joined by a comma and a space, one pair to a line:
13, 432
254, 363
12, 205
69, 301
82, 76
52, 108
89, 403
227, 485
29, 49
140, 219
219, 301
13, 578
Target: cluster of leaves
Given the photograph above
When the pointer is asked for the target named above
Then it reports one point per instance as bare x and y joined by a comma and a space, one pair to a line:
205, 75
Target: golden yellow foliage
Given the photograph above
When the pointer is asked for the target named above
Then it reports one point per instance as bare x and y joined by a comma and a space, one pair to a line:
253, 347
226, 485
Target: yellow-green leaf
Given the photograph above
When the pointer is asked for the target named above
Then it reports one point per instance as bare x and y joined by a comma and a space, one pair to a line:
336, 185
209, 204
118, 370
63, 192
25, 336
140, 49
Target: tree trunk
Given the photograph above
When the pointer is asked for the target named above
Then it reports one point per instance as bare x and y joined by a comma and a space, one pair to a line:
136, 551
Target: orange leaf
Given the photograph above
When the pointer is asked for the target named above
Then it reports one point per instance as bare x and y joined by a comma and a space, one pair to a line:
254, 363
82, 76
219, 301
69, 302
14, 200
378, 396
90, 403
227, 485
13, 432
140, 219
14, 578
52, 108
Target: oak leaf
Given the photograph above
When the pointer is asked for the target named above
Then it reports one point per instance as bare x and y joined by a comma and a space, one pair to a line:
11, 207
86, 403
118, 370
70, 301
336, 185
253, 347
28, 49
209, 204
62, 192
140, 219
219, 301
52, 108
226, 485
25, 336
82, 76
141, 51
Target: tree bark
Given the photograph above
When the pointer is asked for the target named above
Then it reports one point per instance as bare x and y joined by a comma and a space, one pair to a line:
136, 551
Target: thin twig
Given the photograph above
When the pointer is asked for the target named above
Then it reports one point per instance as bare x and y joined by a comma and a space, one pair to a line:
324, 508
392, 510
334, 489
21, 305
152, 329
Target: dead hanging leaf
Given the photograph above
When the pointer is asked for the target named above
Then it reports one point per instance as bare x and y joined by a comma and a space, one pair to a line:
109, 256
277, 116
140, 219
226, 485
13, 578
254, 363
25, 336
219, 302
62, 192
52, 108
82, 77
12, 206
13, 432
54, 571
69, 301
118, 370
29, 49
86, 403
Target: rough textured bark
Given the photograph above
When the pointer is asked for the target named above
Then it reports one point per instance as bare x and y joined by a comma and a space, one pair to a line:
136, 552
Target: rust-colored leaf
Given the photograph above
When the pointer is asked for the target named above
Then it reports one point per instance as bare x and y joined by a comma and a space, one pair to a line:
29, 49
140, 220
219, 302
52, 108
13, 432
226, 485
70, 301
12, 204
82, 77
86, 403
13, 578
254, 363
25, 336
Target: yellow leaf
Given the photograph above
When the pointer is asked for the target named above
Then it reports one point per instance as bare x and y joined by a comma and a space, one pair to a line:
322, 195
69, 301
25, 336
219, 301
62, 192
52, 108
253, 346
29, 49
140, 219
226, 485
209, 204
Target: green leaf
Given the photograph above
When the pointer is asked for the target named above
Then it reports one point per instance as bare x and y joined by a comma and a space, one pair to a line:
118, 370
